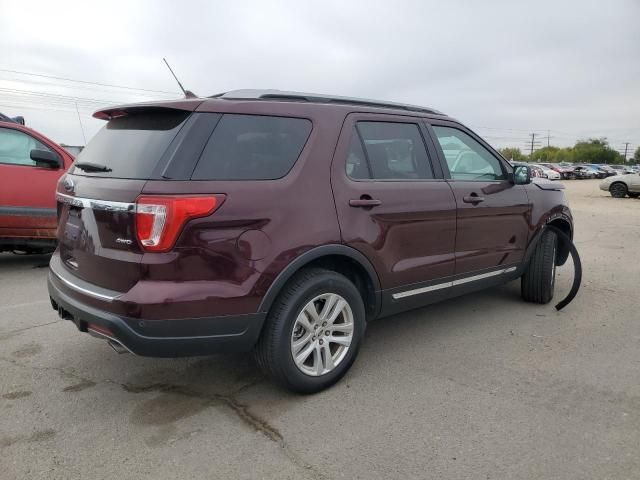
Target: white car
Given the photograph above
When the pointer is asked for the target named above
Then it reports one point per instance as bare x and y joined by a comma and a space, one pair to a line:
551, 174
619, 186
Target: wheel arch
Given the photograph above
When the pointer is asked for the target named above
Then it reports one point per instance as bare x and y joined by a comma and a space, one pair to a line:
563, 246
561, 222
340, 258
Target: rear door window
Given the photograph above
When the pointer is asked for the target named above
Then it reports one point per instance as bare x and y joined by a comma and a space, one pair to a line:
388, 151
131, 146
252, 147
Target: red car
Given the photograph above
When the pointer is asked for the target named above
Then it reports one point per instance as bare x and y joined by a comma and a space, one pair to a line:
30, 166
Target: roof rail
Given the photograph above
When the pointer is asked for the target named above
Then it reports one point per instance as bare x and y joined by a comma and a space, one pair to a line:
250, 94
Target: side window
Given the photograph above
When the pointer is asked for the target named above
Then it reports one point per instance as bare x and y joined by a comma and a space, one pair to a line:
252, 147
466, 158
393, 151
15, 147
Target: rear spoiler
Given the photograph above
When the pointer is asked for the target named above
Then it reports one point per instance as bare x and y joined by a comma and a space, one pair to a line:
187, 105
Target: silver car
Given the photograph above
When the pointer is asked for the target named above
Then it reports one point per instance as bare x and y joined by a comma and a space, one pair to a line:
619, 186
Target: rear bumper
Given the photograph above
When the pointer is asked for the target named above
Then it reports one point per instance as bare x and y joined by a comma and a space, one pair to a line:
160, 338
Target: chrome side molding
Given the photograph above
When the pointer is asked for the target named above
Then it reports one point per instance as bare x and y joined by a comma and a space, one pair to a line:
452, 283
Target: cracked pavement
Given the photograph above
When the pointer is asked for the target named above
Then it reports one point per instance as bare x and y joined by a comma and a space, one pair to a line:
484, 386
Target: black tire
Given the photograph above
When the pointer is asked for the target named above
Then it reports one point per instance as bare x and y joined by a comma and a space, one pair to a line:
273, 350
538, 280
618, 190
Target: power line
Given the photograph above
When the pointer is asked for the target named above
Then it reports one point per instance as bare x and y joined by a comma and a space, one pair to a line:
40, 108
58, 96
94, 89
85, 81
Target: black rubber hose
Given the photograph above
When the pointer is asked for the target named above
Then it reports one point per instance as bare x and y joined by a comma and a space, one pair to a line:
577, 268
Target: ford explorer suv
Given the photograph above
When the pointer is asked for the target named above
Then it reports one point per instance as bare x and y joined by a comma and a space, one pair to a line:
282, 222
30, 167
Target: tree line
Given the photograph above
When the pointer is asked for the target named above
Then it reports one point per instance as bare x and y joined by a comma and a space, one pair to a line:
594, 150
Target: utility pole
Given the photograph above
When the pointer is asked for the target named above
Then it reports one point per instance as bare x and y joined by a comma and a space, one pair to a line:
533, 139
626, 146
548, 138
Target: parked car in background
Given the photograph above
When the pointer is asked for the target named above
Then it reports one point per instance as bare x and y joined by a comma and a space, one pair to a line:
582, 172
620, 186
4, 118
30, 166
282, 222
566, 171
599, 171
608, 170
621, 169
549, 173
536, 171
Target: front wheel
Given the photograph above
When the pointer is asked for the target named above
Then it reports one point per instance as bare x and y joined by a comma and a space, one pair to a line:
313, 331
618, 190
538, 280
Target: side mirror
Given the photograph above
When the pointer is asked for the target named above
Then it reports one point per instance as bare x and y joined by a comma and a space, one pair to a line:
45, 158
522, 175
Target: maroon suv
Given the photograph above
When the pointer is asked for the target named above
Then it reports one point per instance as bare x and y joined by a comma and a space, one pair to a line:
282, 222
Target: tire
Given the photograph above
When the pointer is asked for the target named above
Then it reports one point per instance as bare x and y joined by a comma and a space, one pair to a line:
538, 280
618, 190
309, 291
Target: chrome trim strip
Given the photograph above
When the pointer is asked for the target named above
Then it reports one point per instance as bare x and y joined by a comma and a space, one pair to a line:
461, 281
480, 276
78, 288
95, 204
418, 291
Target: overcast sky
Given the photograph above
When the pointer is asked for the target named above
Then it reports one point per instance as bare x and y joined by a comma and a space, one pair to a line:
506, 69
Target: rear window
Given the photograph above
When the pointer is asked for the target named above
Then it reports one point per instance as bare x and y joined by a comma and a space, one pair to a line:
252, 147
131, 146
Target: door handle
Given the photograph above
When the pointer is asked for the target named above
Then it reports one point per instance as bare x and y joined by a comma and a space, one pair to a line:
365, 202
473, 198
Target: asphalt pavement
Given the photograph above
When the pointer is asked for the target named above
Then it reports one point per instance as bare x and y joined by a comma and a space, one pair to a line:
483, 386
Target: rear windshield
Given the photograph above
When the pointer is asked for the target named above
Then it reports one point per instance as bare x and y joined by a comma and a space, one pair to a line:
252, 147
131, 146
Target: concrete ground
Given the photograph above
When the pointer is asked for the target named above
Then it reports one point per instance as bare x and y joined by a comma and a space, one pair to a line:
484, 386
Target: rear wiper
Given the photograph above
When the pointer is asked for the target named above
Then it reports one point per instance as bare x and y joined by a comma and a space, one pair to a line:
92, 167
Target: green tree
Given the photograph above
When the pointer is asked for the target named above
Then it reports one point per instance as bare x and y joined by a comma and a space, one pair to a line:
595, 150
545, 154
553, 155
636, 155
513, 154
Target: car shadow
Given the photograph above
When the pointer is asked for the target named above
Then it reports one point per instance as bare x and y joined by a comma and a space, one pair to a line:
18, 260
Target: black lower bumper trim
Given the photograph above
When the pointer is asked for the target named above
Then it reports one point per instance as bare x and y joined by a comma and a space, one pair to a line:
163, 338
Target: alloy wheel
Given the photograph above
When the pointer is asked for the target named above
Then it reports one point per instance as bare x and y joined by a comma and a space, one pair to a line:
322, 334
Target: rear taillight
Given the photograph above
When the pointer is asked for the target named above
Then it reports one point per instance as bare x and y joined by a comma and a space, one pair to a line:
159, 219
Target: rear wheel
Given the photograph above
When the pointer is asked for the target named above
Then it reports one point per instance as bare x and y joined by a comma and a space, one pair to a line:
313, 331
618, 190
538, 280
